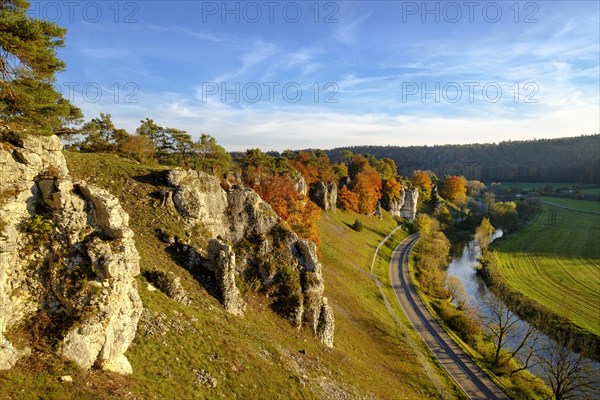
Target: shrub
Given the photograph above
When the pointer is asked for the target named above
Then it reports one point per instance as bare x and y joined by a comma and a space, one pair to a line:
38, 226
357, 226
288, 292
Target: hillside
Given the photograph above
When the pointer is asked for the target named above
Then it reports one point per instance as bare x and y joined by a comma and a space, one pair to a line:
199, 350
573, 159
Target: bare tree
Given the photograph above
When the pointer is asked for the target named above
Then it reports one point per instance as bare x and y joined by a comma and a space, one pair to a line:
570, 375
502, 326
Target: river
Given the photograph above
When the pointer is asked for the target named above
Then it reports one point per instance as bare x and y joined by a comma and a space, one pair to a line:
464, 267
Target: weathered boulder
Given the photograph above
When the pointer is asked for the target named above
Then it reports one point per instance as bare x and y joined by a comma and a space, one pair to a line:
246, 215
199, 198
75, 262
169, 284
222, 262
409, 208
324, 195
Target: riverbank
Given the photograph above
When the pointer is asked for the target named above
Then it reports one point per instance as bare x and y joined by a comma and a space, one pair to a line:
462, 323
544, 319
550, 270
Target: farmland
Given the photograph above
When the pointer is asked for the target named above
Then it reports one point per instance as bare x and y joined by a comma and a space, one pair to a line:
556, 261
585, 205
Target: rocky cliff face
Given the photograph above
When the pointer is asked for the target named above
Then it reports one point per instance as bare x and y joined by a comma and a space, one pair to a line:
259, 244
405, 206
325, 196
66, 254
409, 208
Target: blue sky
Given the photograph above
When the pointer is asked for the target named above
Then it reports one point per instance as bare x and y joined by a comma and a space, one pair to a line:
298, 74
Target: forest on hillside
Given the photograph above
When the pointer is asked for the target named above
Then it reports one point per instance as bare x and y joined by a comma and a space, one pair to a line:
575, 159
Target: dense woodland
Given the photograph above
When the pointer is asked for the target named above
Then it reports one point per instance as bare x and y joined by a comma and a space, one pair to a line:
575, 159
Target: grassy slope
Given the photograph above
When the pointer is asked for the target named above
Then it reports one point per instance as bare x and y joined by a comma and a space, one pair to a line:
556, 261
251, 357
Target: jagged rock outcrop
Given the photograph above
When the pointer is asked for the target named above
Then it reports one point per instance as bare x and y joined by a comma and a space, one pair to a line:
405, 206
222, 262
200, 200
324, 195
395, 206
66, 252
300, 184
326, 327
261, 242
409, 208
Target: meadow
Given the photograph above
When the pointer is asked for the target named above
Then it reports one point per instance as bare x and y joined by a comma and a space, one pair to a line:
585, 205
555, 260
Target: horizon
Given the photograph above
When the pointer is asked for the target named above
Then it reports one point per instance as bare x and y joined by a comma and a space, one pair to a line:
296, 74
435, 145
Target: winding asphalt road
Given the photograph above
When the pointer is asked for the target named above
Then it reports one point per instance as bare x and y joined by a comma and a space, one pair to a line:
467, 375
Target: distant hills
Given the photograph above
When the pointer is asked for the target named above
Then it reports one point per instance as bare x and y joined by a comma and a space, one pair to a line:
573, 160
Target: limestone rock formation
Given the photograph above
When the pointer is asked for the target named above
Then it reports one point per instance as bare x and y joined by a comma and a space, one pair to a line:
222, 262
405, 206
325, 195
66, 251
326, 327
199, 199
300, 184
261, 241
409, 208
395, 206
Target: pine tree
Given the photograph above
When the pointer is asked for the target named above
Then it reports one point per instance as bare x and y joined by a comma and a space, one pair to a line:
28, 65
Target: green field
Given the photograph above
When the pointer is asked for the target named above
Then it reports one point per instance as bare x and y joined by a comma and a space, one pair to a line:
556, 261
528, 185
585, 205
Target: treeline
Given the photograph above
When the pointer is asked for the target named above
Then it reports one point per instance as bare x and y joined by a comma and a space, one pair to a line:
150, 143
574, 159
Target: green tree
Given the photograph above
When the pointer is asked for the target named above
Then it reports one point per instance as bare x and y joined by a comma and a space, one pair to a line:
102, 135
28, 65
211, 155
183, 145
159, 135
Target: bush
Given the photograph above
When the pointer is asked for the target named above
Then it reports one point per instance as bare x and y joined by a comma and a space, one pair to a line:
288, 292
38, 226
357, 226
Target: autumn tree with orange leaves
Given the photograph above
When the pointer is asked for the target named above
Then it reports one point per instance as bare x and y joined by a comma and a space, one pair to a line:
347, 200
454, 188
271, 178
422, 180
368, 188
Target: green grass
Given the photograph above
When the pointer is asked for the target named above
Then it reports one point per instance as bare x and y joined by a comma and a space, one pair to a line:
586, 205
530, 185
257, 356
555, 261
591, 191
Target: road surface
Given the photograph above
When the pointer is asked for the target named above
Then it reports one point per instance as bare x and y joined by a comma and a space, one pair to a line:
467, 375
